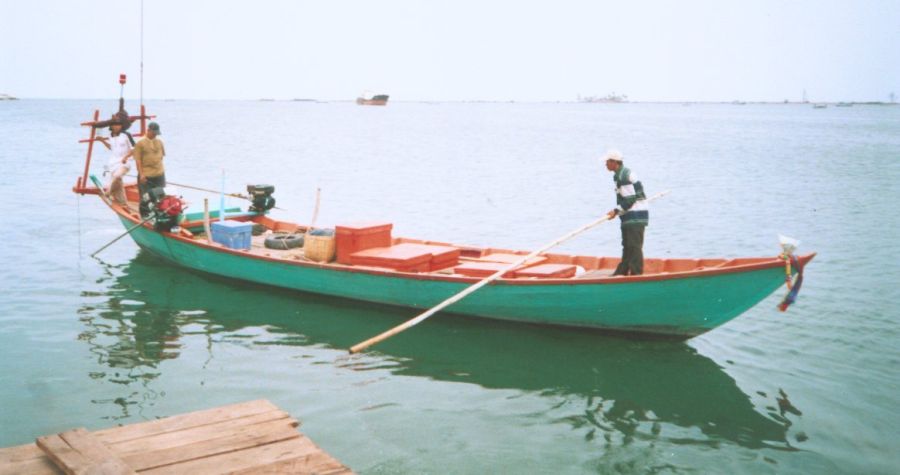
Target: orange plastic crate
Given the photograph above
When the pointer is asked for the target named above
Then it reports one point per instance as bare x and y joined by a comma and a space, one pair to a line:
352, 238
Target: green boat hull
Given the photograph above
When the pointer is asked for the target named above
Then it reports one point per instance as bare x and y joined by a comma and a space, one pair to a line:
681, 306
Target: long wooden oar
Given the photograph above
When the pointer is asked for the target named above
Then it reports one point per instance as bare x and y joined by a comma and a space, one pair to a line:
469, 290
127, 232
108, 201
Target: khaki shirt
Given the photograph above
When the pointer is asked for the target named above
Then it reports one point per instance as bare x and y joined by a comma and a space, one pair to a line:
148, 154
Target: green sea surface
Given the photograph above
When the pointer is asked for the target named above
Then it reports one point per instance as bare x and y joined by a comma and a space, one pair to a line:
125, 337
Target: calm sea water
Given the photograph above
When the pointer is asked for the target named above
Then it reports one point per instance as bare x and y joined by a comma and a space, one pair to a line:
124, 338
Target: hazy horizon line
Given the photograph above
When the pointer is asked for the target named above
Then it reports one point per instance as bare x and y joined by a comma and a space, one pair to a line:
544, 101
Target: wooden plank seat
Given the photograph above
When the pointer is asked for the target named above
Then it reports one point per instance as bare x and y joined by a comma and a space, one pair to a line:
402, 258
488, 264
510, 258
482, 269
408, 257
442, 257
547, 271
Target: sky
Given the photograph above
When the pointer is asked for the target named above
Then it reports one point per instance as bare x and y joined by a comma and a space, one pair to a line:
453, 50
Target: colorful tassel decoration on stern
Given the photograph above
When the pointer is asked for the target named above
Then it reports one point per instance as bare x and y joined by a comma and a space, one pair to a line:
791, 296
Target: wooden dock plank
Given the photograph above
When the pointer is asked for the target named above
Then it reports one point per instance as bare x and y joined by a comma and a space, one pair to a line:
26, 459
77, 452
230, 441
198, 433
20, 453
252, 437
60, 453
319, 463
38, 466
242, 459
183, 421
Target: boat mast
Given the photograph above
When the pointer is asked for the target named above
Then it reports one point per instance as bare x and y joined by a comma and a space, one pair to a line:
142, 58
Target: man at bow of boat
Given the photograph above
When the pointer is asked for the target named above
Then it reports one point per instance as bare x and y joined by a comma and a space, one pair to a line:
148, 156
119, 145
631, 208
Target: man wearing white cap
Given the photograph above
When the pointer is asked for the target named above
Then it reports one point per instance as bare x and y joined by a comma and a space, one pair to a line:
631, 208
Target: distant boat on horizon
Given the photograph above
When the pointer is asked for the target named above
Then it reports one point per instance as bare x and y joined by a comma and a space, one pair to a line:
611, 98
7, 97
820, 106
376, 100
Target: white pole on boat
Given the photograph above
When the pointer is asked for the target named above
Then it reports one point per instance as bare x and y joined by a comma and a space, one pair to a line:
142, 54
206, 221
315, 210
471, 289
222, 199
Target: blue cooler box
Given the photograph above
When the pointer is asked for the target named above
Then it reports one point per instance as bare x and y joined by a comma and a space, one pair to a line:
232, 234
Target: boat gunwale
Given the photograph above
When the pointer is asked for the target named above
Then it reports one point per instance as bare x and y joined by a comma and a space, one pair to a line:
661, 276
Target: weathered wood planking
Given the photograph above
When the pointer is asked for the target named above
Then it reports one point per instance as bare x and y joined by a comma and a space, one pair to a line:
77, 452
26, 460
184, 421
251, 437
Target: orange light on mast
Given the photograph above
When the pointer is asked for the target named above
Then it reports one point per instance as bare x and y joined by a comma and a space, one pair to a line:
122, 79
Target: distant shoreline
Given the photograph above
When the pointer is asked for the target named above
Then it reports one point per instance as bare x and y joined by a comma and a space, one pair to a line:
484, 101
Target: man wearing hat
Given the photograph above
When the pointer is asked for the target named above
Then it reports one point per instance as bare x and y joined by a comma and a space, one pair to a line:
631, 208
148, 156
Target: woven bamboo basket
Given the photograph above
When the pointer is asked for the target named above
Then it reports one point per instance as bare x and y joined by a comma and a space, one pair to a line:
319, 248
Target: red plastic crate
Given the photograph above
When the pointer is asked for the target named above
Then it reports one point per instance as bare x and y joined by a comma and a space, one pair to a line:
352, 238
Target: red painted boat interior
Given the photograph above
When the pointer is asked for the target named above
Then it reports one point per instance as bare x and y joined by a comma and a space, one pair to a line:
371, 247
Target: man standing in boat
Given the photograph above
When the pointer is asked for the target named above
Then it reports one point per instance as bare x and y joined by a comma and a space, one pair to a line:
631, 208
148, 156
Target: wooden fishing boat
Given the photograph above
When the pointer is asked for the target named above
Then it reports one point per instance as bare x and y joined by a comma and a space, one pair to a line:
377, 100
674, 297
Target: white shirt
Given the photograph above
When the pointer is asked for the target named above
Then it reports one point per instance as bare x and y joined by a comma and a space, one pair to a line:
119, 147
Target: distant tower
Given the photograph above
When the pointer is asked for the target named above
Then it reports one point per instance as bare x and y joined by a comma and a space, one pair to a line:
893, 97
804, 97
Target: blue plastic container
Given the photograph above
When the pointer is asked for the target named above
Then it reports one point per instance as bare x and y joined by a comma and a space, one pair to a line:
232, 234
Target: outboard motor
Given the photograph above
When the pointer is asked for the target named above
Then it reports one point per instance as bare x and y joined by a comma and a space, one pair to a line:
261, 196
166, 209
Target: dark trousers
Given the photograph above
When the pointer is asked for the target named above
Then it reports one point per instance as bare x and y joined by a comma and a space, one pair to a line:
632, 251
144, 189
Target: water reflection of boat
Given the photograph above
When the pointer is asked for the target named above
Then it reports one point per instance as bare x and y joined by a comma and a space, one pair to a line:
616, 383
